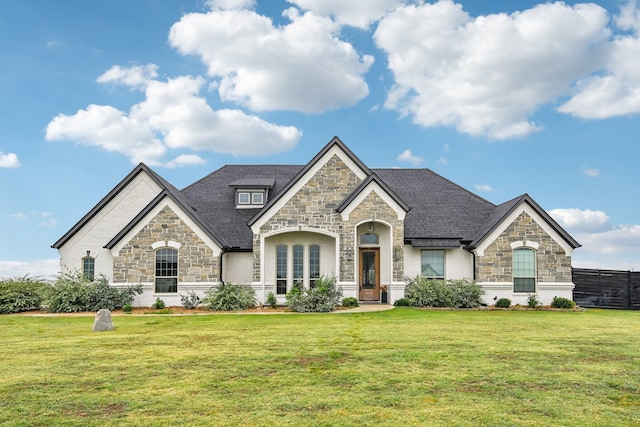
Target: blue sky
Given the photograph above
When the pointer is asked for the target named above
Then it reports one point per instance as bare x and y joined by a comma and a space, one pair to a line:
501, 97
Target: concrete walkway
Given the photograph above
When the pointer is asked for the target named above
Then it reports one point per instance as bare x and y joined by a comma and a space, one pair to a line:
366, 308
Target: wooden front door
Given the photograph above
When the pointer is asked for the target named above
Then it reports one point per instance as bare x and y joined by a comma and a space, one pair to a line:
369, 274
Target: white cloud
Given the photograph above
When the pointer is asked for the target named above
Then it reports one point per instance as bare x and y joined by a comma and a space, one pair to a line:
9, 160
173, 115
484, 188
19, 215
44, 268
136, 77
614, 90
486, 75
349, 12
580, 220
407, 156
185, 160
617, 240
302, 66
443, 161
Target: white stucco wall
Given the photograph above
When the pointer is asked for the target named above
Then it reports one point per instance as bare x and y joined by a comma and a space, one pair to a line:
237, 268
458, 263
327, 258
105, 225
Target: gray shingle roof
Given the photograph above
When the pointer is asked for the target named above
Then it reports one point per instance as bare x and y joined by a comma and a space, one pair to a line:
440, 212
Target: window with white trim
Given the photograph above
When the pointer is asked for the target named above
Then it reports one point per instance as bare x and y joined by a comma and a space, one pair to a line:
89, 267
524, 270
298, 265
314, 264
433, 263
281, 269
166, 280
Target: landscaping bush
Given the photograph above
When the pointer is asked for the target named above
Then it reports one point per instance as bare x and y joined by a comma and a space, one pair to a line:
402, 302
559, 302
159, 304
271, 300
424, 292
533, 301
503, 303
229, 297
190, 301
74, 292
21, 294
350, 302
324, 297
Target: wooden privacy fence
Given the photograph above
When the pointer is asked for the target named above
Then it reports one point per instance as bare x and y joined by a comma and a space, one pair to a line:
607, 289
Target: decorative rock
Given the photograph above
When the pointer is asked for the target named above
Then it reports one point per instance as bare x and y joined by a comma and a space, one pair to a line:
103, 321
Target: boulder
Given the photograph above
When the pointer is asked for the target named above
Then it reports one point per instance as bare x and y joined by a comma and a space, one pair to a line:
103, 321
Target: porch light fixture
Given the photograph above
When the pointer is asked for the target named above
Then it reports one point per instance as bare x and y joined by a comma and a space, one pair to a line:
371, 226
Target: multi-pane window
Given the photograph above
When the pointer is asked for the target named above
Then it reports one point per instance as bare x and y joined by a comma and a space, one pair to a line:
314, 264
89, 267
433, 263
251, 198
281, 269
166, 270
524, 270
298, 265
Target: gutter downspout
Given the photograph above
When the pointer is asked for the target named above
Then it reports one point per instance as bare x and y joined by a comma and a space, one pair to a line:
224, 251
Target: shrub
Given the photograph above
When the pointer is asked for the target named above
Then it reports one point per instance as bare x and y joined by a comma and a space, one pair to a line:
323, 297
503, 303
271, 300
559, 302
159, 304
190, 301
21, 294
424, 292
229, 297
466, 293
127, 308
533, 301
74, 292
350, 302
402, 302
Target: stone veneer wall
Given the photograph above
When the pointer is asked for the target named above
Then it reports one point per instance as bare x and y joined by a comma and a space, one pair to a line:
553, 264
136, 261
314, 206
373, 203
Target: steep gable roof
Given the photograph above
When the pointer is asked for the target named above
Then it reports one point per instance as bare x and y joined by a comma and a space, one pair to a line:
440, 209
372, 178
141, 168
335, 142
501, 212
214, 198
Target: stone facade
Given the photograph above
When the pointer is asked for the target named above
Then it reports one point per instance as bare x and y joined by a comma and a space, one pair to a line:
553, 264
313, 206
136, 260
374, 207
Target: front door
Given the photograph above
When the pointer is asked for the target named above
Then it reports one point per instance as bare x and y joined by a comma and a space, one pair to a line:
369, 274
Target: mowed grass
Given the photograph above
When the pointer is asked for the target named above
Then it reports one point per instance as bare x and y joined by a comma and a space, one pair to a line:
402, 367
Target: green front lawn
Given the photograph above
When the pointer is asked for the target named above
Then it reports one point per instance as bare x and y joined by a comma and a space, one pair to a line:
401, 367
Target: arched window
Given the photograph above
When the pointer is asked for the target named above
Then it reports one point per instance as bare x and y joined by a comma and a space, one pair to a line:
89, 267
314, 264
524, 270
369, 239
166, 270
281, 269
298, 265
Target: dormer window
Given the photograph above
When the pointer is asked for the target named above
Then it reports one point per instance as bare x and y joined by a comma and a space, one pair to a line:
250, 198
251, 193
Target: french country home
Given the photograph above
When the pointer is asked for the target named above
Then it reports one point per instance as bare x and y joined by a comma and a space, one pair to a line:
273, 226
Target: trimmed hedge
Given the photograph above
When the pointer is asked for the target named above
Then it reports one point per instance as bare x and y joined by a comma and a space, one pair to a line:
424, 292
